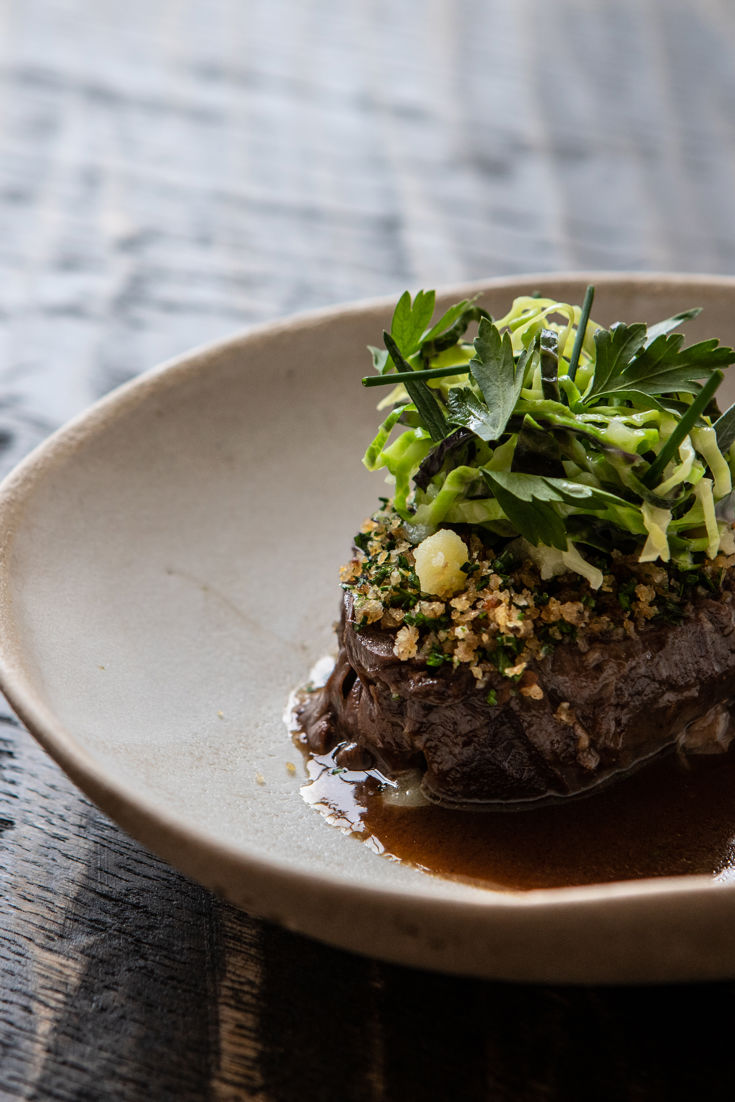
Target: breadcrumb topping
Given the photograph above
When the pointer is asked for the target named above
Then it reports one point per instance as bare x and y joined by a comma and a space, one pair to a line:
507, 617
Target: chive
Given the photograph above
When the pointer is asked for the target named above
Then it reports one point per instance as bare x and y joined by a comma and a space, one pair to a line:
503, 561
584, 317
422, 373
681, 431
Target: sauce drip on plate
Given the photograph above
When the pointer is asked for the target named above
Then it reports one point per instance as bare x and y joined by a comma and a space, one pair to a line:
674, 817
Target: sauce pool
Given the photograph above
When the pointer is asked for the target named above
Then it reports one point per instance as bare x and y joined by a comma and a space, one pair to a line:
674, 817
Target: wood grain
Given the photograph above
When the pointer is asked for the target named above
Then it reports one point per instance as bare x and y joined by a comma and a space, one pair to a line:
169, 172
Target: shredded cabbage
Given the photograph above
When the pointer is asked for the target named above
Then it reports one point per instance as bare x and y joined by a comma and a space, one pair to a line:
612, 414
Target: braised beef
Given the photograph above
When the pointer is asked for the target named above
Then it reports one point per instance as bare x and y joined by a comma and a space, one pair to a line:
604, 710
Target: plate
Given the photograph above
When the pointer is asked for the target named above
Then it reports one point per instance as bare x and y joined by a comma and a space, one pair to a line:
168, 575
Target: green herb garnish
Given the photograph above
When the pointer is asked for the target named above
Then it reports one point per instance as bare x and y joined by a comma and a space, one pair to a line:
549, 427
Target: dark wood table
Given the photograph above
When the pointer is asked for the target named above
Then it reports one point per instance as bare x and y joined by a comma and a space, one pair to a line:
170, 172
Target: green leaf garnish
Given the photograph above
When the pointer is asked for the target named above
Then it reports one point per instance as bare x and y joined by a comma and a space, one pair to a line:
525, 501
410, 319
661, 328
724, 428
380, 359
466, 408
450, 328
616, 348
662, 369
597, 447
427, 405
500, 380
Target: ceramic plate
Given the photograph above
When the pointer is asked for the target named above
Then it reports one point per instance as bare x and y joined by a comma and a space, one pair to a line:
168, 574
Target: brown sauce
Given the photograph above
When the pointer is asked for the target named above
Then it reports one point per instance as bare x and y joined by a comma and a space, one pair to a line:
675, 817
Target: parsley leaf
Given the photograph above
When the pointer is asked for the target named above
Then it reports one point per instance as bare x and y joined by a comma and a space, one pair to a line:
499, 379
616, 347
466, 408
526, 501
630, 364
447, 320
381, 359
580, 493
410, 320
663, 369
529, 500
450, 328
669, 324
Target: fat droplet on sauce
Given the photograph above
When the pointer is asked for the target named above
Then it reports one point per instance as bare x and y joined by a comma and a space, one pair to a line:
675, 817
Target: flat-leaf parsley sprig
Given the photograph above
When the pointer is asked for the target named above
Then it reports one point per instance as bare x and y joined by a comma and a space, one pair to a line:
552, 429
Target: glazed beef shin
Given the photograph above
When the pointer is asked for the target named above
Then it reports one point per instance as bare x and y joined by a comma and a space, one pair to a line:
621, 703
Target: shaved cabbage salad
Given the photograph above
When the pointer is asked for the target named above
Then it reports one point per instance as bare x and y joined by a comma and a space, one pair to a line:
549, 428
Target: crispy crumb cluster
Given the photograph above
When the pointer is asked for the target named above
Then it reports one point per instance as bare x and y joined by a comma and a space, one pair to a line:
506, 618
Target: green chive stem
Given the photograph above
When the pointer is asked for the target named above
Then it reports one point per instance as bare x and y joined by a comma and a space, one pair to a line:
584, 317
700, 403
424, 373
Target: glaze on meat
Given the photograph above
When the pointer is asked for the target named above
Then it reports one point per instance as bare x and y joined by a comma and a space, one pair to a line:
604, 711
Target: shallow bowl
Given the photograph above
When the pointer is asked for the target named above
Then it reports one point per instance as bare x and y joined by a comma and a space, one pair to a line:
168, 574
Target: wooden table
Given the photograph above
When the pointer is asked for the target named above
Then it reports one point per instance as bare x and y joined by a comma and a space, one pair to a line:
170, 172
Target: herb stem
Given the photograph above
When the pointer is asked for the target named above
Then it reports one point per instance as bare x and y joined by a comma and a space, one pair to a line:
423, 373
688, 420
584, 317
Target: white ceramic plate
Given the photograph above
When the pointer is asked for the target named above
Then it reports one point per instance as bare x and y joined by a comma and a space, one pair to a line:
168, 574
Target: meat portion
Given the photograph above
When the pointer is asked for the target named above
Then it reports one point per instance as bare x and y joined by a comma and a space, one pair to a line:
603, 711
